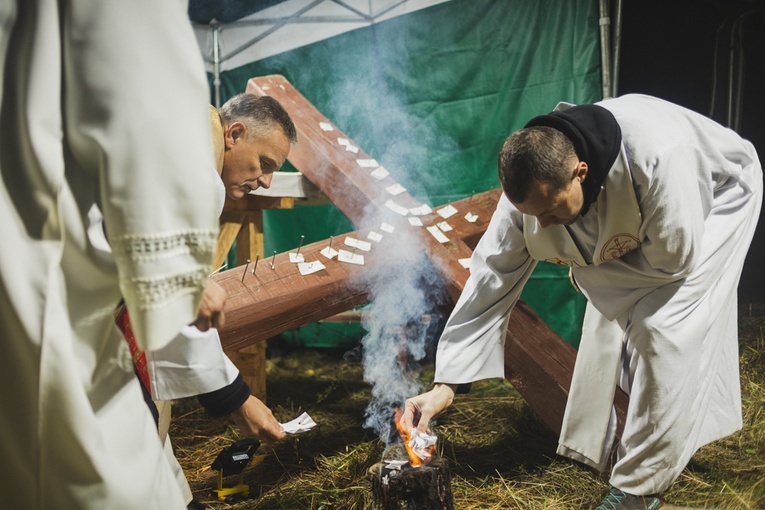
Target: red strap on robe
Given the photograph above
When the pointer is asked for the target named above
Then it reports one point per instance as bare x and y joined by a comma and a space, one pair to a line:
122, 320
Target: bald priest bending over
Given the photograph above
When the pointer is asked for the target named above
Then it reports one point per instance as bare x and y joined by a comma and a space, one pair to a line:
653, 208
251, 140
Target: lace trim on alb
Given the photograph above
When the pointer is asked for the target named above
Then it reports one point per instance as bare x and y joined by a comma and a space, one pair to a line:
151, 293
144, 248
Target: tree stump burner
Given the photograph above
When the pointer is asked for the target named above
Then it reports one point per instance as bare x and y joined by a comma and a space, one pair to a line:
403, 487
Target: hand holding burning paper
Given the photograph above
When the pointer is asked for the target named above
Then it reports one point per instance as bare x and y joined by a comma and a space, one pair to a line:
419, 445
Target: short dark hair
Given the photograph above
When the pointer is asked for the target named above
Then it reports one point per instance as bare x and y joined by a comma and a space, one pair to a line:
535, 154
258, 113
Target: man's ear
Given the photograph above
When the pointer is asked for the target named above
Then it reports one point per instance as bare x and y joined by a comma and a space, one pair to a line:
580, 172
234, 133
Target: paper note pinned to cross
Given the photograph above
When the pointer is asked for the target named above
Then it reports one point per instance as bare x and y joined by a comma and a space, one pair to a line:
393, 206
380, 173
421, 210
307, 268
472, 218
355, 243
329, 252
436, 232
326, 126
395, 189
296, 258
350, 257
367, 163
447, 211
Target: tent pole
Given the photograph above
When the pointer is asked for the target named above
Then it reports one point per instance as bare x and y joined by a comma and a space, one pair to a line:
617, 48
605, 44
216, 61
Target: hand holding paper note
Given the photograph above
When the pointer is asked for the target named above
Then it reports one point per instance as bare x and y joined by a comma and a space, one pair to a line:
302, 423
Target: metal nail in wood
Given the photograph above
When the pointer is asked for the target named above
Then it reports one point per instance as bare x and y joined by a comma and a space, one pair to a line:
273, 259
257, 258
245, 270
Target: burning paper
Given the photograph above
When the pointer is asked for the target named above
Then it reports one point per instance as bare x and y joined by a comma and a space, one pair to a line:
419, 445
326, 126
436, 232
380, 173
355, 243
387, 227
393, 206
350, 258
374, 236
422, 444
296, 258
415, 221
307, 268
302, 423
471, 217
447, 211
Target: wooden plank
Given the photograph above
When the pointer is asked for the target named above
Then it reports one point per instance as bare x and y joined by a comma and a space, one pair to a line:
273, 301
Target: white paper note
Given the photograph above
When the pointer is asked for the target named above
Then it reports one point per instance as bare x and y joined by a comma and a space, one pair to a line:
444, 226
465, 262
329, 252
415, 221
387, 227
447, 211
350, 257
393, 206
471, 217
367, 163
310, 267
421, 210
296, 258
355, 243
374, 236
326, 126
440, 237
352, 148
302, 423
380, 173
395, 189
343, 141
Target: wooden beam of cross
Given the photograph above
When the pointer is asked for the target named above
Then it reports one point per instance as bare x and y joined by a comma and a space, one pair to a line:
538, 362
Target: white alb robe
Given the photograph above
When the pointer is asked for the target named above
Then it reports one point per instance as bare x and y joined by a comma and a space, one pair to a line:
667, 308
97, 108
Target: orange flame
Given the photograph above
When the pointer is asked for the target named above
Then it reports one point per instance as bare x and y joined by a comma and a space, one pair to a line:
406, 435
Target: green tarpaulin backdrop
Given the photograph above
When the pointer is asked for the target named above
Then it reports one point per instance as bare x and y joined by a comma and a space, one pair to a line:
432, 95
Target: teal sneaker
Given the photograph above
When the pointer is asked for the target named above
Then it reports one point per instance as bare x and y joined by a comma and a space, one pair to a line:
619, 500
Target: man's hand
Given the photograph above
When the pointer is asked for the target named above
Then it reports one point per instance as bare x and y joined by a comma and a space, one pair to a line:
254, 419
210, 314
419, 410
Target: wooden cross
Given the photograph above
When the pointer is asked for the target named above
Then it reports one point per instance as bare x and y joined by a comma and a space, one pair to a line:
538, 362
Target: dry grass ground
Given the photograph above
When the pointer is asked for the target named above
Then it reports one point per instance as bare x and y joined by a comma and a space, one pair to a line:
501, 455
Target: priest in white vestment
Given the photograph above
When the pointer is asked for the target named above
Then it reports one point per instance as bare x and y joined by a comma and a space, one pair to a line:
97, 112
653, 208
